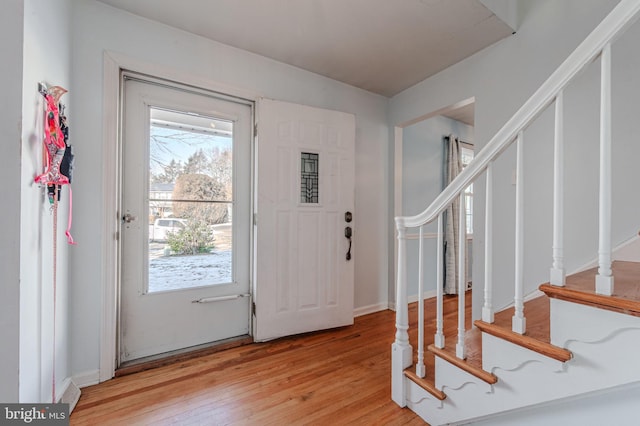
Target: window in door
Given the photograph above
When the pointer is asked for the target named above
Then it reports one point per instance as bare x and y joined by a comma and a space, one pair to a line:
309, 178
190, 201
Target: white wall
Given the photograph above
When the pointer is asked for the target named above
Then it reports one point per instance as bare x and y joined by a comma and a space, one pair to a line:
98, 28
46, 58
423, 160
501, 78
11, 34
422, 180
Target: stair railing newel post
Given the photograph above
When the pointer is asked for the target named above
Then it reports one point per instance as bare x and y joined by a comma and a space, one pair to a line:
487, 309
438, 339
462, 278
557, 273
604, 278
401, 350
518, 323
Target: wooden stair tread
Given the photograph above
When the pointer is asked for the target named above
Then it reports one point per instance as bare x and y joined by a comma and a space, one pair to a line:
547, 349
580, 288
425, 383
537, 336
473, 339
472, 364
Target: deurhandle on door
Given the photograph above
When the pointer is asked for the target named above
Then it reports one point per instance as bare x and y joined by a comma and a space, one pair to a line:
348, 232
128, 218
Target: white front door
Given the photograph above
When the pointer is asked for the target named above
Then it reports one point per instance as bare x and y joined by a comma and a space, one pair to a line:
305, 188
186, 207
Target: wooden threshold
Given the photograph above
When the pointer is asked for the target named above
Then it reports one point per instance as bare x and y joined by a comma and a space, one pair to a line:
525, 341
425, 384
147, 363
580, 288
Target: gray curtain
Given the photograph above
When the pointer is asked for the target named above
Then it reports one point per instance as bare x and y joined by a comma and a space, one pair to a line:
453, 168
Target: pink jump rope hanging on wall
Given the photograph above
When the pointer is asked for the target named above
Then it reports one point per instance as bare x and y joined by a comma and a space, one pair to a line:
58, 167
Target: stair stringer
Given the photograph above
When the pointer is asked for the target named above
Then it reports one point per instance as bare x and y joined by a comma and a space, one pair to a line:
603, 360
617, 406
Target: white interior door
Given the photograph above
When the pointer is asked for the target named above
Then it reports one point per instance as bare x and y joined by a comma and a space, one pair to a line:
186, 207
305, 190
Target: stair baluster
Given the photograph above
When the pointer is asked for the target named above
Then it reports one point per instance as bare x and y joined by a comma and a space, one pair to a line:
487, 309
420, 364
558, 275
604, 279
462, 278
438, 339
519, 321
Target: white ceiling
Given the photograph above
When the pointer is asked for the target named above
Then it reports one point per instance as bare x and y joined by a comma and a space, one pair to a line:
383, 46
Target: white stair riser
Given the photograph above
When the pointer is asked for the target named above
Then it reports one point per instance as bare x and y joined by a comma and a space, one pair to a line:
499, 353
576, 322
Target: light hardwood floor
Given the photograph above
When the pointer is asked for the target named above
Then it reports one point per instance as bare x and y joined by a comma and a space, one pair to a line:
336, 377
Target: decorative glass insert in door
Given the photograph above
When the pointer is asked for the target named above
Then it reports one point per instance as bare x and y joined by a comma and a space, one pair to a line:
190, 201
309, 187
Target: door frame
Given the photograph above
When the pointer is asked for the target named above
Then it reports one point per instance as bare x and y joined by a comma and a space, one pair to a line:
114, 64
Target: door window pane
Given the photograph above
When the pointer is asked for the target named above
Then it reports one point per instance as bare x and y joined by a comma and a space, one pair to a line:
190, 201
309, 187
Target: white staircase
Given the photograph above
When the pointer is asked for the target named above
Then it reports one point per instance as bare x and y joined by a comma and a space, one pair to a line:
601, 344
509, 367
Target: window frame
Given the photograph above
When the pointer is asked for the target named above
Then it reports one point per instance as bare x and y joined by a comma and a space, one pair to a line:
467, 150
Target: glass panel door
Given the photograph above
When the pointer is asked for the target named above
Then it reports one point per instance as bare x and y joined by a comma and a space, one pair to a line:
185, 235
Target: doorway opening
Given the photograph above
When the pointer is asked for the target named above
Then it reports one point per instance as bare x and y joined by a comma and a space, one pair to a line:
420, 170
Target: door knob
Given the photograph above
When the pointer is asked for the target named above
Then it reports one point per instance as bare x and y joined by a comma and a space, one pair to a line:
128, 218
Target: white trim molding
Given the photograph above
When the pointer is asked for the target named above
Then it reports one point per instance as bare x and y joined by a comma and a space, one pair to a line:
414, 298
70, 393
370, 309
87, 378
108, 327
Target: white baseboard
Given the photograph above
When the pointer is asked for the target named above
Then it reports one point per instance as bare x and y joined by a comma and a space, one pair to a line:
364, 310
628, 250
427, 295
411, 299
533, 295
70, 394
88, 378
